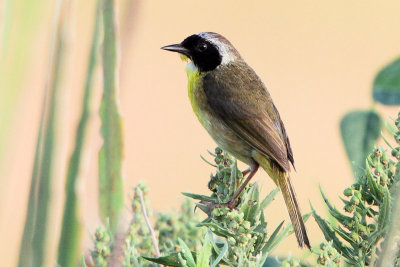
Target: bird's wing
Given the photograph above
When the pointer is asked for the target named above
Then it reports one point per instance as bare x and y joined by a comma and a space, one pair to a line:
240, 99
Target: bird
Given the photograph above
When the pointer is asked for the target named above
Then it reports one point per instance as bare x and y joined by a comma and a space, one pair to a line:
235, 107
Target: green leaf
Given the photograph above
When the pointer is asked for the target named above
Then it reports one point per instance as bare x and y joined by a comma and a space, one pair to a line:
373, 186
278, 236
272, 241
217, 229
186, 253
203, 260
385, 210
333, 210
360, 130
169, 260
233, 179
386, 89
329, 234
199, 197
250, 209
220, 255
45, 155
218, 251
269, 198
70, 240
111, 194
83, 261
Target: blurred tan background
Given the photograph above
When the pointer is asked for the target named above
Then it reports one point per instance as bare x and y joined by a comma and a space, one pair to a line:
318, 59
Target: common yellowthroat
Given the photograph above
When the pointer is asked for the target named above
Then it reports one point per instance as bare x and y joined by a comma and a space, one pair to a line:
234, 106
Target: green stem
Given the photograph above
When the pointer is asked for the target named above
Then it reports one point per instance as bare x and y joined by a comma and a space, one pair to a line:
111, 153
69, 245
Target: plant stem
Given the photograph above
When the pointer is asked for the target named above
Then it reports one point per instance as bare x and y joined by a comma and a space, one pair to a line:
146, 218
111, 153
69, 245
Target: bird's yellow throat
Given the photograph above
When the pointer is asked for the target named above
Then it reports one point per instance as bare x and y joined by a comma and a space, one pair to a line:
193, 76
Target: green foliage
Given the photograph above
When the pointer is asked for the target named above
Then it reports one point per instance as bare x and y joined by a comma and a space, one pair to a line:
32, 251
242, 230
386, 88
111, 153
182, 225
359, 130
368, 202
69, 245
137, 241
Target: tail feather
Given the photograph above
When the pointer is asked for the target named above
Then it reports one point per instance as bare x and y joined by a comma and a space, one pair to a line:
293, 208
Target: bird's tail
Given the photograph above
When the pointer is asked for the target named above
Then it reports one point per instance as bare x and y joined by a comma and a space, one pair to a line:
285, 184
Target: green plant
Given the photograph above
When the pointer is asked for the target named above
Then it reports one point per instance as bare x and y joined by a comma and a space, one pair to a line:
139, 237
111, 153
32, 251
70, 240
360, 129
368, 202
243, 230
327, 255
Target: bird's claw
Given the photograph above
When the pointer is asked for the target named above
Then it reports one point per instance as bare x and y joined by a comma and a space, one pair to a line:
212, 206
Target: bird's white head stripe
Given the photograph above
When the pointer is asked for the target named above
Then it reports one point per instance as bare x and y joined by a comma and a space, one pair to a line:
224, 49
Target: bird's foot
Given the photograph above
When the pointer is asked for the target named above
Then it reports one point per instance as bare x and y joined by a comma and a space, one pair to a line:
230, 204
245, 172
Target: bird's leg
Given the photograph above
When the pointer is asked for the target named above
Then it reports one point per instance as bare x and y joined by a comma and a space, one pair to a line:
253, 169
246, 171
231, 203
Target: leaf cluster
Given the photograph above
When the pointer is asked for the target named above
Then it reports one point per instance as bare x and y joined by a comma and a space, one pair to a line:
358, 232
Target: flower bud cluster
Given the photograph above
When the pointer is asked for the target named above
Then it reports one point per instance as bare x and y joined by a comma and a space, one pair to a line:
328, 255
171, 226
102, 247
291, 262
222, 184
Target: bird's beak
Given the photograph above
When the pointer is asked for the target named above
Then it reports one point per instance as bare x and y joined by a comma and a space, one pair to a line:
177, 48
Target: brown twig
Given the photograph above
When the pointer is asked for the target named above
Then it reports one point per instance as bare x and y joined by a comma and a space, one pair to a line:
146, 218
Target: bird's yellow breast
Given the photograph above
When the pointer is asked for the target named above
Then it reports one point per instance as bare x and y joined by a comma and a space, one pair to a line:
196, 96
219, 131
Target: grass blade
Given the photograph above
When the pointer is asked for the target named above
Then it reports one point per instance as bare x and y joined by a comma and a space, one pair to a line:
69, 245
37, 217
16, 54
203, 259
110, 155
26, 253
221, 255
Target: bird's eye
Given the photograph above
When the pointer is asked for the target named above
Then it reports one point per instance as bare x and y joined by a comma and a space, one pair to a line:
202, 47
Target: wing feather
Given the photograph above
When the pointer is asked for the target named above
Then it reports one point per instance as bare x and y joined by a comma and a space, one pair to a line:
237, 95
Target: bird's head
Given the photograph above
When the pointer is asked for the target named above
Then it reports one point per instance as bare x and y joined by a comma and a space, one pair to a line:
207, 50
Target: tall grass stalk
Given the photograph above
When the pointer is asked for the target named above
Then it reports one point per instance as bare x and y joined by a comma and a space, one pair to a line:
111, 153
26, 250
15, 55
69, 246
37, 216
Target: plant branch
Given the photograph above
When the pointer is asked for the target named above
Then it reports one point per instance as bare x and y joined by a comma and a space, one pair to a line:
146, 218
